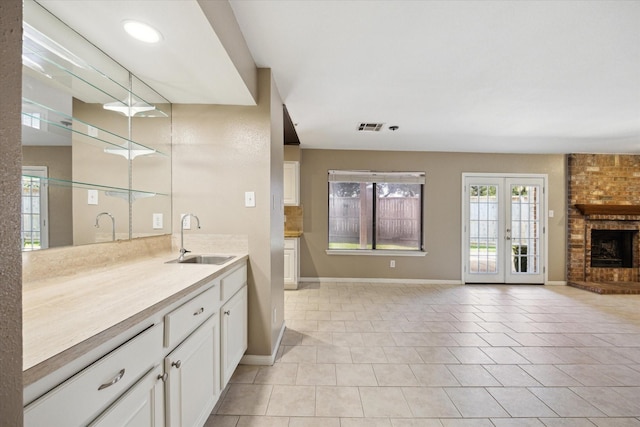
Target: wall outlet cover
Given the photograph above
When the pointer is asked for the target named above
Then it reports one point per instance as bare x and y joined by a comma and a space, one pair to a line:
250, 199
157, 221
92, 197
185, 222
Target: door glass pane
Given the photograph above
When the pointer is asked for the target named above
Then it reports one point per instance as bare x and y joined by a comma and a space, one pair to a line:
483, 232
525, 229
30, 213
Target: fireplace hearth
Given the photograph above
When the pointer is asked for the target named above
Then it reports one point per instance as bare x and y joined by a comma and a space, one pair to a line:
612, 248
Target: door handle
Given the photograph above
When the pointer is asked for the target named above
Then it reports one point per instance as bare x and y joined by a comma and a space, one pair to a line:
508, 234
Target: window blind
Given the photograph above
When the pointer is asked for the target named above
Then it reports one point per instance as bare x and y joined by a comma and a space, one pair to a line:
371, 176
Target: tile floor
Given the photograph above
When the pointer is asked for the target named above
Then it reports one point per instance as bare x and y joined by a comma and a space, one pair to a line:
404, 355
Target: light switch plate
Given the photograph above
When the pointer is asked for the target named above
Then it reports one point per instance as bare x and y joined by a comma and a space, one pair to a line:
92, 197
551, 213
250, 199
157, 221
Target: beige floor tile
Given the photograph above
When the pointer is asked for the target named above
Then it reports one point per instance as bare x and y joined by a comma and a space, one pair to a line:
609, 401
517, 422
300, 353
287, 400
222, 421
378, 339
365, 422
316, 374
436, 355
504, 355
470, 355
358, 326
318, 315
384, 402
338, 402
278, 373
567, 422
520, 402
263, 422
430, 402
616, 422
402, 355
475, 402
354, 374
244, 374
347, 339
511, 376
246, 399
394, 375
477, 422
333, 354
317, 338
343, 315
565, 402
473, 376
415, 422
550, 376
432, 375
314, 422
368, 355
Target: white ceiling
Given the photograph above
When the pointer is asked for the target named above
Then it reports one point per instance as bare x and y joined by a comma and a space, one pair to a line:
477, 76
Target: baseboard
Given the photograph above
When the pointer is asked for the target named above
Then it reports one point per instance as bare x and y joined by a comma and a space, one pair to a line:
267, 360
556, 283
379, 280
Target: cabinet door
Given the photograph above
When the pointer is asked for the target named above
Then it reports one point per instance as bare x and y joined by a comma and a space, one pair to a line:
291, 187
234, 333
141, 406
193, 383
289, 266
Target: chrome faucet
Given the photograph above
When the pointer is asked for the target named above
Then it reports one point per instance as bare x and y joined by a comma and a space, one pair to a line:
113, 224
182, 249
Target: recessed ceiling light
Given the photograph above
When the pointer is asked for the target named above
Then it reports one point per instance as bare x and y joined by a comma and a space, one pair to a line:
141, 31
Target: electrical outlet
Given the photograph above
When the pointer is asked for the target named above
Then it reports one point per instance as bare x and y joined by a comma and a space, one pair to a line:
392, 263
185, 222
157, 221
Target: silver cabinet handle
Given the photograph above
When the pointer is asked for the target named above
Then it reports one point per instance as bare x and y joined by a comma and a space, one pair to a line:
163, 377
177, 364
199, 311
113, 381
228, 312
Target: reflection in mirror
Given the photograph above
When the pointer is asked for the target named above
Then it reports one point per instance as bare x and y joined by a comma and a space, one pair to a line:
96, 140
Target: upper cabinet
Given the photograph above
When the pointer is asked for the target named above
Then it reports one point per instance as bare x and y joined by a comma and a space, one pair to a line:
291, 192
96, 142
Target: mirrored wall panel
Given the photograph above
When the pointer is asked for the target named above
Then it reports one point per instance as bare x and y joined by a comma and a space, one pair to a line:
96, 142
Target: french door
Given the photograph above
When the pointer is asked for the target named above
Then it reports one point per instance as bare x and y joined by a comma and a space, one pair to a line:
504, 224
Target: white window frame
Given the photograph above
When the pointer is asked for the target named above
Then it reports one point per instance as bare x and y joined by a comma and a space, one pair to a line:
40, 172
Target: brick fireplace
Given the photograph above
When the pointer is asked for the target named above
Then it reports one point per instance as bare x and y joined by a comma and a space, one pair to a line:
604, 210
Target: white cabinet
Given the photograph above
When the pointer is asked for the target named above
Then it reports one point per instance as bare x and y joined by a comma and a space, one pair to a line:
170, 374
141, 406
291, 190
291, 263
78, 400
233, 333
193, 380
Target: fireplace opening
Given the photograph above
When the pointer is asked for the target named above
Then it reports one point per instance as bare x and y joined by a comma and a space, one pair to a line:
612, 248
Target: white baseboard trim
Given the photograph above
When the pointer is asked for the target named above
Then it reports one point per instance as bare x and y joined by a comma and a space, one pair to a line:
268, 360
556, 283
379, 280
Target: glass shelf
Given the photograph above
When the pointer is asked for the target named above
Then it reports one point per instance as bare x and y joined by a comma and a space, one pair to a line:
36, 114
110, 191
52, 62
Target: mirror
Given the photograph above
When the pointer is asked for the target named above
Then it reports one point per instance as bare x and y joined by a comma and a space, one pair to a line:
96, 143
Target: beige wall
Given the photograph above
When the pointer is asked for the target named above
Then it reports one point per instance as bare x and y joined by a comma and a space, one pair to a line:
442, 210
10, 256
58, 163
219, 153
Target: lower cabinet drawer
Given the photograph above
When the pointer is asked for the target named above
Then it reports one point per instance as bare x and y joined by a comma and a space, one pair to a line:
79, 399
232, 282
186, 318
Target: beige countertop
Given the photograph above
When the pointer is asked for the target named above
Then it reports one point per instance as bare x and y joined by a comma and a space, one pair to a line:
69, 315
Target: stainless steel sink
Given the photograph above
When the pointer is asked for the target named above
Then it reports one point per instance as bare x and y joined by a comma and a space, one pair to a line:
203, 259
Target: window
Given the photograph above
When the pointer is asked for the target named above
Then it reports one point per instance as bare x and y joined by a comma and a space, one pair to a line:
371, 211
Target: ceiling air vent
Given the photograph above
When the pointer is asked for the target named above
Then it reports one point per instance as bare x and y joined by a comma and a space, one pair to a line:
370, 127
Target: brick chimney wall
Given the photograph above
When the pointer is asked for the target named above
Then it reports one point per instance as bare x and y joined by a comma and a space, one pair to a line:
605, 179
